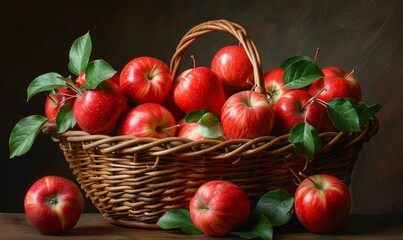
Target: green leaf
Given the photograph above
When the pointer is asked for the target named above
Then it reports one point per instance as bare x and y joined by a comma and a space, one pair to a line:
209, 126
178, 218
24, 133
43, 83
288, 62
301, 73
364, 111
277, 206
306, 139
65, 118
195, 116
343, 115
96, 72
80, 53
263, 229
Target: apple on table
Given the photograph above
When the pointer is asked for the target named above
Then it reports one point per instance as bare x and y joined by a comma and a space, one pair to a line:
53, 205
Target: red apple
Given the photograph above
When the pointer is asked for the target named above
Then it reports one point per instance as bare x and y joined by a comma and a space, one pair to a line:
335, 84
190, 131
247, 114
146, 79
97, 110
199, 89
233, 68
293, 108
219, 207
274, 84
322, 203
55, 100
355, 88
148, 120
53, 205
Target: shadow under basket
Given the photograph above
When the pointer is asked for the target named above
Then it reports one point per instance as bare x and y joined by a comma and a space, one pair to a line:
134, 181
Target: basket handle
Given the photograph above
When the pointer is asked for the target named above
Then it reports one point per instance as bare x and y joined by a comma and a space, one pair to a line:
221, 25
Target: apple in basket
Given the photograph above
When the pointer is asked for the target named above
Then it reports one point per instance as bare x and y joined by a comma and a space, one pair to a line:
146, 79
322, 203
233, 68
97, 111
198, 89
55, 100
274, 84
53, 205
219, 207
296, 107
148, 120
247, 114
335, 84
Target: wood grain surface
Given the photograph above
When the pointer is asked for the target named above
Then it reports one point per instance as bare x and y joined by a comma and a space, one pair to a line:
363, 35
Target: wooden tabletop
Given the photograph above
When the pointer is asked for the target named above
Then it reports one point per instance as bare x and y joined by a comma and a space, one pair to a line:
93, 226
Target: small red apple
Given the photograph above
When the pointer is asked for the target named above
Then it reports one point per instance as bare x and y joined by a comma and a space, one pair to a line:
55, 100
295, 107
81, 79
97, 110
247, 114
198, 89
148, 120
219, 207
233, 68
53, 205
146, 80
190, 130
274, 84
322, 203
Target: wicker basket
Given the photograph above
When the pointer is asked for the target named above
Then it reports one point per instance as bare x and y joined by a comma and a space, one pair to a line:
133, 181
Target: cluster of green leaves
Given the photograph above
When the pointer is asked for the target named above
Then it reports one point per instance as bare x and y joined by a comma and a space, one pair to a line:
346, 114
26, 130
275, 208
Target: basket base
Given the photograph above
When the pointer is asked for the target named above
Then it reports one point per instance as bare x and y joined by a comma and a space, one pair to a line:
130, 223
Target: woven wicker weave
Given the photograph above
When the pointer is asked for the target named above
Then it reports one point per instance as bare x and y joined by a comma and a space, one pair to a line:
133, 181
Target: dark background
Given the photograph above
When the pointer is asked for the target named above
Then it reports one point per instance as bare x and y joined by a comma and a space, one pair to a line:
365, 35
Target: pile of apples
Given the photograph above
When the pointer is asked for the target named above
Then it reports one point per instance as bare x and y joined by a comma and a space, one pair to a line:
216, 102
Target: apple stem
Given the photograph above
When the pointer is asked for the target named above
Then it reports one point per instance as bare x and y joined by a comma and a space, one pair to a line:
51, 98
295, 175
305, 176
150, 75
168, 128
316, 54
194, 60
74, 87
351, 73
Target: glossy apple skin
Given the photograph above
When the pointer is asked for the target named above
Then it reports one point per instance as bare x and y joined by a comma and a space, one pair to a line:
247, 115
322, 210
55, 100
98, 110
198, 89
219, 207
274, 84
233, 68
148, 120
289, 111
146, 80
53, 205
355, 88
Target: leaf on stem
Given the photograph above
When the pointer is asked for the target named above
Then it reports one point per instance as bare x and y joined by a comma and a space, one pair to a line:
178, 218
80, 53
301, 73
96, 72
343, 115
24, 133
306, 139
43, 83
65, 118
